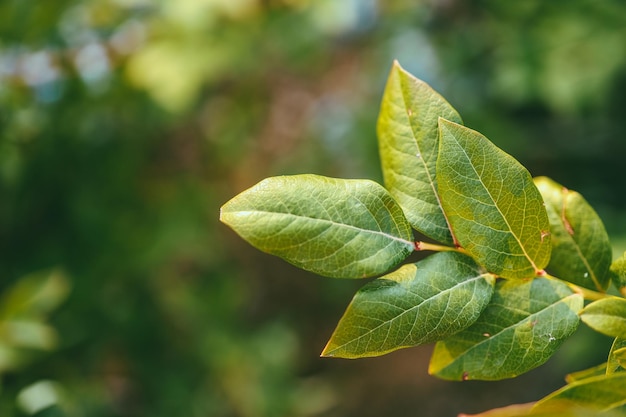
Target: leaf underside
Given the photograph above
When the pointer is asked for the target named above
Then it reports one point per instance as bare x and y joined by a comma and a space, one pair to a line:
408, 143
581, 251
417, 304
493, 206
523, 325
333, 227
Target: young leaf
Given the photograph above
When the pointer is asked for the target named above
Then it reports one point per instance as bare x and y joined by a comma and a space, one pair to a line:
333, 227
581, 251
616, 361
493, 206
417, 304
618, 269
408, 141
607, 316
602, 393
523, 325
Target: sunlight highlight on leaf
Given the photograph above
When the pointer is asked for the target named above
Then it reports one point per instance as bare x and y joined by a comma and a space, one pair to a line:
333, 227
408, 140
607, 316
495, 210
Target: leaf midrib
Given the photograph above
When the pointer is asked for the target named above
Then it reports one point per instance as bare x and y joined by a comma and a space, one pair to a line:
495, 204
494, 336
424, 301
331, 222
431, 181
564, 219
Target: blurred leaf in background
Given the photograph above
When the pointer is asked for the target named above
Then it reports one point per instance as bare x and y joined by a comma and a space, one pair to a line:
125, 124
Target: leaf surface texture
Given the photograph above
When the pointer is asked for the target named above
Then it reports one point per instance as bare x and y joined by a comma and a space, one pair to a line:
523, 325
492, 204
333, 227
419, 303
408, 142
581, 251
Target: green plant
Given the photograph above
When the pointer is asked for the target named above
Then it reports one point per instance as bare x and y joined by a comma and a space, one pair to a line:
517, 257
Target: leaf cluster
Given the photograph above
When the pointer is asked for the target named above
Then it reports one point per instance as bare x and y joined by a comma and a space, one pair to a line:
519, 261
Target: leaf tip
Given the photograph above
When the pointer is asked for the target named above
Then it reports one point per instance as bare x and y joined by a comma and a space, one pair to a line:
327, 352
444, 123
223, 214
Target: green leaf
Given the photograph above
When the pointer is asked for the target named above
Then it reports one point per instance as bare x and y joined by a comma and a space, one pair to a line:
523, 325
586, 373
602, 393
618, 269
513, 410
333, 227
620, 355
607, 316
408, 141
581, 251
616, 361
493, 206
417, 304
522, 410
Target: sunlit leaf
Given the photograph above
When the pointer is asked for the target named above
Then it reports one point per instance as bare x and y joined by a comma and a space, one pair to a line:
607, 316
618, 269
586, 373
615, 362
333, 227
493, 206
602, 393
581, 251
523, 325
419, 303
408, 140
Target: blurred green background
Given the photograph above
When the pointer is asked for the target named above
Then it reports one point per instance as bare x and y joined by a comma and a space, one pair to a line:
126, 124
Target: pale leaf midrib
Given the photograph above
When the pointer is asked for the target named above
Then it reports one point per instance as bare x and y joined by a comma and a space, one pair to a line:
397, 317
513, 326
331, 222
423, 161
496, 206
